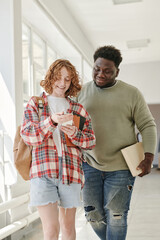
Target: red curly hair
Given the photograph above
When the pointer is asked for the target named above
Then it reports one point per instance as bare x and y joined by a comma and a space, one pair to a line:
53, 74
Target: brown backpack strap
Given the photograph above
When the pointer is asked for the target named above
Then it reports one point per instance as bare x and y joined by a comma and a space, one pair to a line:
40, 102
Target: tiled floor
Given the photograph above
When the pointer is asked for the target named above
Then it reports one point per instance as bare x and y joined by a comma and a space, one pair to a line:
143, 219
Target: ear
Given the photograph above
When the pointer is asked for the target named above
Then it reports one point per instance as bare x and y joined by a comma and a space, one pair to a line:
117, 72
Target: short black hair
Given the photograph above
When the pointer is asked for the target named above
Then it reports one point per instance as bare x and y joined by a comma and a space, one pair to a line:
110, 53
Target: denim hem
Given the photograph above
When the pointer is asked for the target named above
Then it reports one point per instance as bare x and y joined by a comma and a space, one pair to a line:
41, 204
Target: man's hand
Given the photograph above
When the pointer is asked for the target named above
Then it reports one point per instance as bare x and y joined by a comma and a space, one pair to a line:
146, 164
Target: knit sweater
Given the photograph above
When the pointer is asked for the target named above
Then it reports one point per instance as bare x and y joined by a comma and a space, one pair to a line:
114, 112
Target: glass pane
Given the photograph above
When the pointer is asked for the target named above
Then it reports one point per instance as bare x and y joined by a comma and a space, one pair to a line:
39, 75
87, 72
51, 56
25, 103
38, 50
26, 59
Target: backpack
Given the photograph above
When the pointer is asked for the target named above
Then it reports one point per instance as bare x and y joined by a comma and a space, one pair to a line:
23, 152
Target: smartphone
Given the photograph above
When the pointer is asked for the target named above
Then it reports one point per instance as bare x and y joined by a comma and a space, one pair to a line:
70, 122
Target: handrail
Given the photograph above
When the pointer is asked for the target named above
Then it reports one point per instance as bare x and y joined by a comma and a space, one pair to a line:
14, 202
15, 226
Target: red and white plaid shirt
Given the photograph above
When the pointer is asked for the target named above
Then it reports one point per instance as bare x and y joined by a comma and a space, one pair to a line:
39, 134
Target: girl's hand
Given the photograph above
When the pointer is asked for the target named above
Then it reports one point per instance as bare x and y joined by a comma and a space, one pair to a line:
61, 117
69, 130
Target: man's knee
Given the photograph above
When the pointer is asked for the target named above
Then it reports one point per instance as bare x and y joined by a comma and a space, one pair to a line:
117, 218
94, 215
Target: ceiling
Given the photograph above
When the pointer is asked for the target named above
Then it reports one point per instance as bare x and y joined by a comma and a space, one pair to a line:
131, 27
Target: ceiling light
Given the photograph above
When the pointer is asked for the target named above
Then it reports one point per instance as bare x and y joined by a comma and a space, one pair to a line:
125, 1
138, 43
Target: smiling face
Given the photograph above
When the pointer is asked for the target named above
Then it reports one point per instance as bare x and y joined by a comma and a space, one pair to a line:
63, 83
104, 72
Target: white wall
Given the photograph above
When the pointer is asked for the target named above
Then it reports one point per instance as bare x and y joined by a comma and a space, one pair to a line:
144, 76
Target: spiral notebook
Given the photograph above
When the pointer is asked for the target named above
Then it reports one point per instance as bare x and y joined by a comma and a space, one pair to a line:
133, 155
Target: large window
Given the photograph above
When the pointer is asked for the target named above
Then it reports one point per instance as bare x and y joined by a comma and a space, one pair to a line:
26, 55
87, 72
38, 55
39, 62
51, 56
38, 50
38, 75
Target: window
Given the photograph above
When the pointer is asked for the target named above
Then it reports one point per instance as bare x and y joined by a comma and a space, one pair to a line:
38, 55
87, 72
51, 56
38, 50
38, 75
26, 59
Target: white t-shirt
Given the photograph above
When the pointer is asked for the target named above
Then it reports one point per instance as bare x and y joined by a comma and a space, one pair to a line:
57, 105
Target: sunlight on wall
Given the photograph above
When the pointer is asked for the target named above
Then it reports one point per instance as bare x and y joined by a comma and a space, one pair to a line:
7, 127
7, 110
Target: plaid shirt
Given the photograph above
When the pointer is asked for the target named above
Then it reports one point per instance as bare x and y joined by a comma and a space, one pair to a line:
39, 134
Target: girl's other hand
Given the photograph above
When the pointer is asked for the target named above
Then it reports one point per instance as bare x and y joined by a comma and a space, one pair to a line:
61, 117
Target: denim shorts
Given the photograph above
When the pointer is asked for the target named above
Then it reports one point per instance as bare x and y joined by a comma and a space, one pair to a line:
47, 190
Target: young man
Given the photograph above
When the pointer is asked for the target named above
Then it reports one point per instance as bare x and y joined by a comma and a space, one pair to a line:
115, 108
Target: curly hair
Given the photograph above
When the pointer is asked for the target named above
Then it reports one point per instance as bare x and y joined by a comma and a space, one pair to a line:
53, 74
110, 53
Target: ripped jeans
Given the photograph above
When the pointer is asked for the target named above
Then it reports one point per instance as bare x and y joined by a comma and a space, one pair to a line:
106, 199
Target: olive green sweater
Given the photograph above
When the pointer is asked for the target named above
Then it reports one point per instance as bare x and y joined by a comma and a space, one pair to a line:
114, 112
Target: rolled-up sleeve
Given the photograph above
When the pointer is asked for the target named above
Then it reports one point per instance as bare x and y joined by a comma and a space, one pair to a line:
33, 131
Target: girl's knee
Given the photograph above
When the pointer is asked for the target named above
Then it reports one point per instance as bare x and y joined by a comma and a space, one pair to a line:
67, 228
51, 232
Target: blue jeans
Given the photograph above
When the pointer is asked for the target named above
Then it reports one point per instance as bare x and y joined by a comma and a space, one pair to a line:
106, 198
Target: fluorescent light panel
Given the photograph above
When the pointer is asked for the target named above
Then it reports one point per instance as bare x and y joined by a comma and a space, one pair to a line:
116, 2
138, 43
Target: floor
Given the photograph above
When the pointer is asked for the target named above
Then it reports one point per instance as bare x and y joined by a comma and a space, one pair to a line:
143, 219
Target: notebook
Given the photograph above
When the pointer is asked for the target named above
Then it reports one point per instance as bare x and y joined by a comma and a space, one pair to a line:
133, 155
79, 123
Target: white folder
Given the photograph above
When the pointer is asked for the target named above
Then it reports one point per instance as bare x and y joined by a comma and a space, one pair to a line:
133, 155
